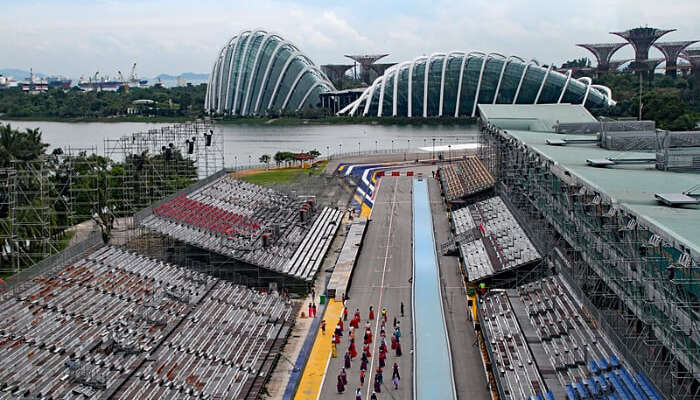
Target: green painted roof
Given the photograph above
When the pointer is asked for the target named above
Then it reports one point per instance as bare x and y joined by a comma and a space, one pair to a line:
630, 186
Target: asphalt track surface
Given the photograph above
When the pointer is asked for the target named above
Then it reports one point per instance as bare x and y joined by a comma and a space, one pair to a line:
366, 285
381, 279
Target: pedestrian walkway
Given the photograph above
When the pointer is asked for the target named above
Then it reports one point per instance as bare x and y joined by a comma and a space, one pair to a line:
315, 370
433, 378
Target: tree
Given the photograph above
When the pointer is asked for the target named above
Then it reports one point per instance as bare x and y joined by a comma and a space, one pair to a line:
314, 153
279, 158
17, 145
582, 62
265, 159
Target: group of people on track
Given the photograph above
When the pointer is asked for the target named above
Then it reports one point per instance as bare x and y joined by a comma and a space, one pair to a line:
367, 340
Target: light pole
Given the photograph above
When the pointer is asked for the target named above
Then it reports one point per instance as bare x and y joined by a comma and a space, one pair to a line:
407, 147
340, 148
358, 148
235, 164
392, 146
433, 148
250, 160
328, 152
376, 146
449, 153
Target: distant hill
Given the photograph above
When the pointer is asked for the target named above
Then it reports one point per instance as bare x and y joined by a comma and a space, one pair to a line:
167, 79
189, 76
19, 74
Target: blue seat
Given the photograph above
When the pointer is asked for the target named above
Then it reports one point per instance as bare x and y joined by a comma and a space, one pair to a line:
632, 386
648, 388
570, 394
593, 367
602, 384
614, 361
582, 392
620, 390
537, 397
592, 387
612, 397
604, 364
549, 395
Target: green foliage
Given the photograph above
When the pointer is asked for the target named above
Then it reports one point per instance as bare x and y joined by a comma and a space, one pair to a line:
582, 62
186, 101
79, 188
16, 145
674, 103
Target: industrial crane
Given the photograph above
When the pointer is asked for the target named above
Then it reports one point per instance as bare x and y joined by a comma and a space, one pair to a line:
125, 84
132, 76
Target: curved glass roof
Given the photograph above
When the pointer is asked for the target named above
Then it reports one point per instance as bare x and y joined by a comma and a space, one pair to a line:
257, 71
452, 84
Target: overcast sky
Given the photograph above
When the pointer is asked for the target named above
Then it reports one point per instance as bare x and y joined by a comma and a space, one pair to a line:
79, 37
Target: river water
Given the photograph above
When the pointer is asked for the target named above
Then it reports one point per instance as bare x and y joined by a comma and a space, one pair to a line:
246, 143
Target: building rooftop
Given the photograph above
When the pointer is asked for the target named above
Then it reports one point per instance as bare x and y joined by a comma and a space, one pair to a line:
630, 187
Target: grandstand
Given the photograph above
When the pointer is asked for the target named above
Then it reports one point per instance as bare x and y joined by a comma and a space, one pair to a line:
545, 346
464, 178
490, 239
250, 224
618, 234
115, 324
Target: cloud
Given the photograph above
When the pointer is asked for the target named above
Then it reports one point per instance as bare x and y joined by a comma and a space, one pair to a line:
79, 37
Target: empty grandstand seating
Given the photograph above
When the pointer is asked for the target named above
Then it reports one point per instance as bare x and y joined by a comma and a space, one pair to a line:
116, 324
465, 178
250, 223
491, 239
508, 349
573, 349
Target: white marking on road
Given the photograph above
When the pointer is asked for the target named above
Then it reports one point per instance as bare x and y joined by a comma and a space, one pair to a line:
378, 313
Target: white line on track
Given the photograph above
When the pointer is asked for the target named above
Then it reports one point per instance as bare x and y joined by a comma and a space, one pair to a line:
378, 313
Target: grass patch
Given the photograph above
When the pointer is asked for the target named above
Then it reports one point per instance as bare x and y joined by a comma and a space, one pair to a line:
284, 175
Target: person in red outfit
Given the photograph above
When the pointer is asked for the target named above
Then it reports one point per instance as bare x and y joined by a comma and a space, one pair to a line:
353, 350
371, 313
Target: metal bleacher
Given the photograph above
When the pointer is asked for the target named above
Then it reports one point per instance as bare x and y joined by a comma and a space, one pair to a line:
115, 324
492, 240
518, 375
464, 178
572, 358
252, 224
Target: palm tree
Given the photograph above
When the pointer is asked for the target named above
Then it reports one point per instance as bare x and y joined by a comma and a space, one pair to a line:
17, 145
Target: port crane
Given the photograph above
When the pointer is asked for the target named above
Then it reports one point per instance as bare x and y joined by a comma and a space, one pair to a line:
125, 84
132, 75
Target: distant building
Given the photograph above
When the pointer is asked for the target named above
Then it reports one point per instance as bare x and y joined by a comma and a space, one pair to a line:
257, 71
181, 81
452, 84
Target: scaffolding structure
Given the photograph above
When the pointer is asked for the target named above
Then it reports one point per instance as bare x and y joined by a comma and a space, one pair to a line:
640, 285
8, 232
44, 202
40, 200
159, 162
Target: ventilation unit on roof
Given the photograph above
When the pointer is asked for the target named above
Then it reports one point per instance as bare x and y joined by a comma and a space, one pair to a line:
688, 197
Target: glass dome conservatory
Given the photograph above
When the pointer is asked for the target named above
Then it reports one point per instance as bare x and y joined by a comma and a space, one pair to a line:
453, 84
257, 71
